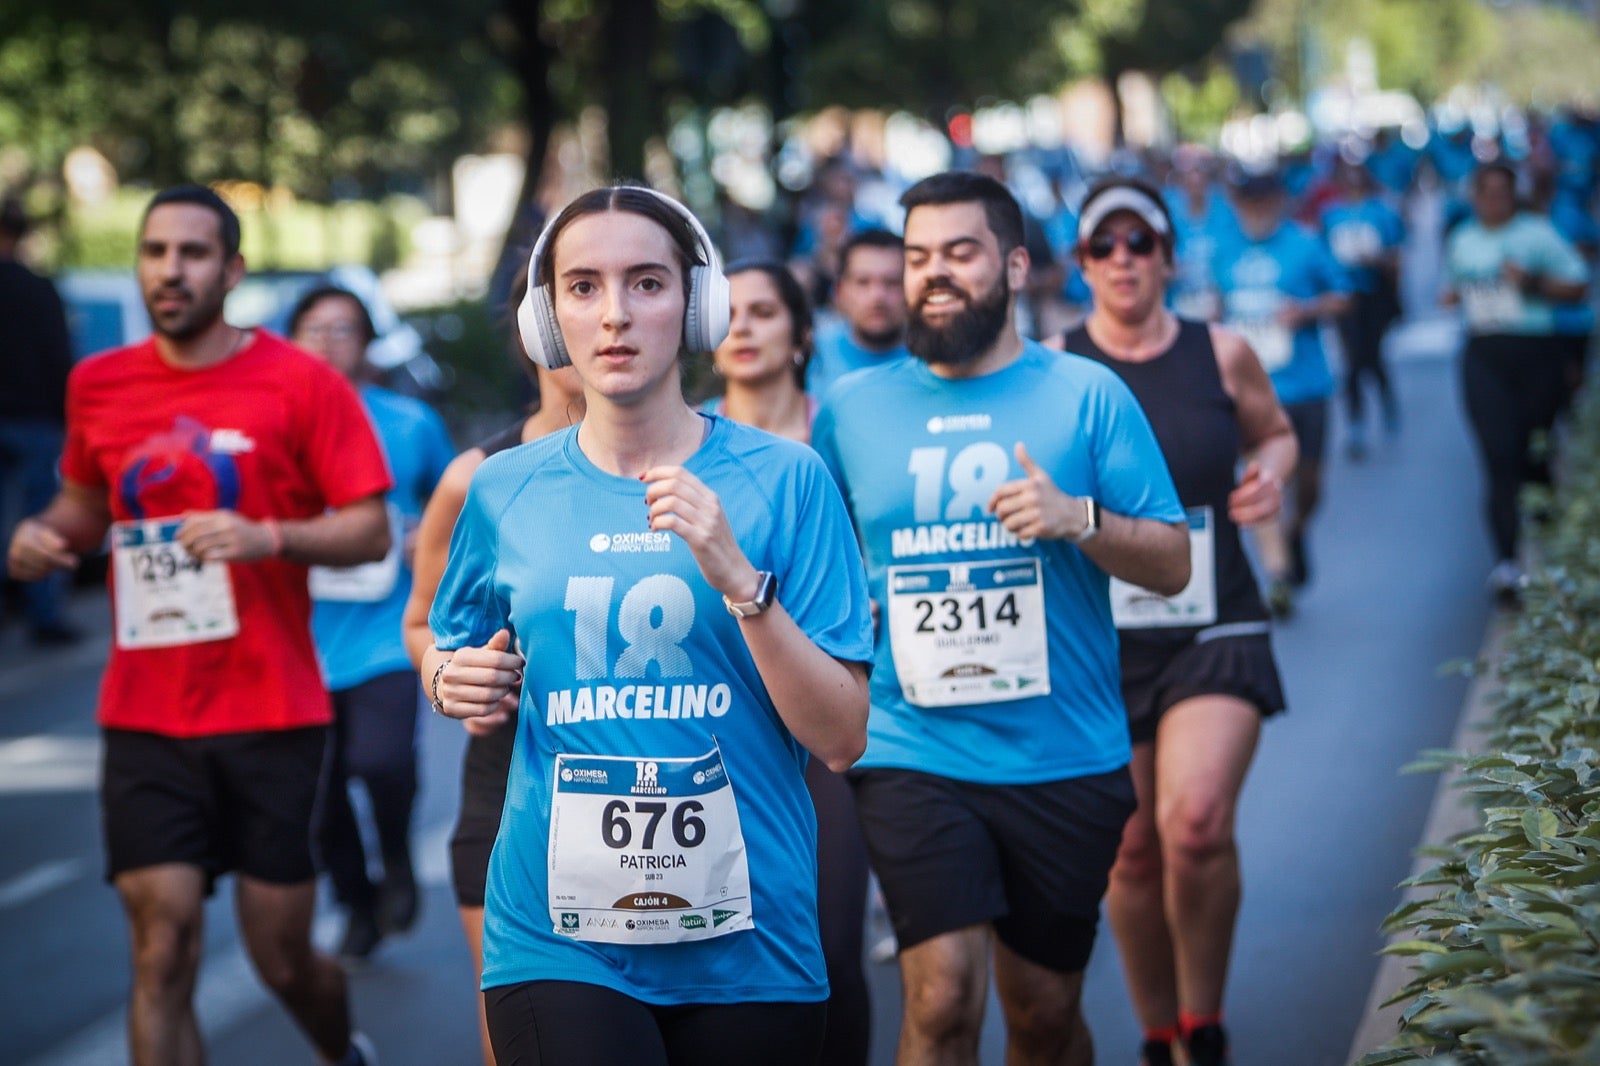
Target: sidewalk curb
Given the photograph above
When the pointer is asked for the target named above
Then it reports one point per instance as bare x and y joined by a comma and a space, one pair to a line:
1451, 812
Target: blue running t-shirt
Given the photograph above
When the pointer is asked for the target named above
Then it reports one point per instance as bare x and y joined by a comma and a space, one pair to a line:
358, 635
632, 655
836, 353
996, 659
1257, 277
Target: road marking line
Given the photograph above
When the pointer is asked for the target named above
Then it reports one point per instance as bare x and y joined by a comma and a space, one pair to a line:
49, 762
40, 881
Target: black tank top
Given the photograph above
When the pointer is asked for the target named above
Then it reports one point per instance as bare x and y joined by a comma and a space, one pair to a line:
509, 437
1198, 429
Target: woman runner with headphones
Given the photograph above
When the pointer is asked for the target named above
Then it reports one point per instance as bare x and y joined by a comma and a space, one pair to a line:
675, 580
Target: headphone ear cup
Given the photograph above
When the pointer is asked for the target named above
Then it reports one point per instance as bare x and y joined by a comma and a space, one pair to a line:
707, 317
541, 334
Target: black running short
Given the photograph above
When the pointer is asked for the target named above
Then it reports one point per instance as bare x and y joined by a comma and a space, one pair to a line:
1223, 660
237, 802
1030, 859
1310, 422
484, 769
566, 1023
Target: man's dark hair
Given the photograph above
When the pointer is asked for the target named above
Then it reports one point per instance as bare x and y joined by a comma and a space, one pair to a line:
1503, 169
199, 195
1000, 208
867, 238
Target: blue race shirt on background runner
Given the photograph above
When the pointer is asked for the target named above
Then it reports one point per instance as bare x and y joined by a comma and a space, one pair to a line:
1023, 699
1256, 279
835, 353
631, 654
1358, 230
359, 640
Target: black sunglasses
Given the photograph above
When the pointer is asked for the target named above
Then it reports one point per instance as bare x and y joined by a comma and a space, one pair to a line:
1139, 242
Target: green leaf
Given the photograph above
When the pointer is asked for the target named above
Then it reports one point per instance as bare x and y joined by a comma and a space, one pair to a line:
1416, 947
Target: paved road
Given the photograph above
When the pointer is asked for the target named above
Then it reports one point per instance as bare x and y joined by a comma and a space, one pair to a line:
1327, 825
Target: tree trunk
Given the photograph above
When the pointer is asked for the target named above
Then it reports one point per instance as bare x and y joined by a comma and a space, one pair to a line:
1113, 80
530, 62
631, 93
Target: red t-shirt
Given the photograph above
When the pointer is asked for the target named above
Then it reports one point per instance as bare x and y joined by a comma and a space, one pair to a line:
271, 432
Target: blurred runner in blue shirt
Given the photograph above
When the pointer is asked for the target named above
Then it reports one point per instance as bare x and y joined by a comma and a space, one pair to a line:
356, 623
871, 303
1278, 282
1365, 235
1202, 222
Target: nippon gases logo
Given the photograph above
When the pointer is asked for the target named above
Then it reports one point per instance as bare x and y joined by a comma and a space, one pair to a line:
601, 543
959, 423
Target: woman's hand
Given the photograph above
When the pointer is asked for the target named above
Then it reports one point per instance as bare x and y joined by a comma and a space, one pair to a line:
478, 683
681, 503
1257, 497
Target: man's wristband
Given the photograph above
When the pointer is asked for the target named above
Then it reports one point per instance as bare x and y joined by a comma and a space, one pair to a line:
1532, 284
276, 534
433, 688
1091, 520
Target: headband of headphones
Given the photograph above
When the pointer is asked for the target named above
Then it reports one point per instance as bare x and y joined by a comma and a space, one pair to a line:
705, 315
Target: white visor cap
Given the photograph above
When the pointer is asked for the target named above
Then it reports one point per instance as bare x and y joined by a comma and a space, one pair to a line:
1122, 198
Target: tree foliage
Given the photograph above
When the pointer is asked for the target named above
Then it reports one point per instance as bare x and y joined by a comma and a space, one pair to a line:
1427, 47
287, 93
929, 55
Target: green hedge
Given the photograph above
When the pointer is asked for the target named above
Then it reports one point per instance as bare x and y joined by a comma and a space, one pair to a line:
1508, 950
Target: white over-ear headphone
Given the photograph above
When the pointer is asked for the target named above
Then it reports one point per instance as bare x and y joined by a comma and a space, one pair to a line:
705, 316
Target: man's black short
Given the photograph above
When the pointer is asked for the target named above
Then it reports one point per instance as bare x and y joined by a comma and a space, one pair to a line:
1033, 860
236, 802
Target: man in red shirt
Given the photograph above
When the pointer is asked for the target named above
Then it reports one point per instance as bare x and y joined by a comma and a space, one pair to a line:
223, 462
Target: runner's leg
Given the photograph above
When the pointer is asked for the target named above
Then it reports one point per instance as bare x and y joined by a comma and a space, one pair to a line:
841, 914
565, 1023
166, 919
737, 1034
1203, 750
945, 980
472, 925
1044, 1022
1136, 906
275, 923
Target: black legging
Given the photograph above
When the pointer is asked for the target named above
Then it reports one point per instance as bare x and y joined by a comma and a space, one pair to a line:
841, 913
1514, 387
373, 739
565, 1023
1361, 334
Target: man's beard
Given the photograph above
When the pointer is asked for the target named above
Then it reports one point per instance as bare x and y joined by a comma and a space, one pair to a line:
881, 340
967, 334
202, 312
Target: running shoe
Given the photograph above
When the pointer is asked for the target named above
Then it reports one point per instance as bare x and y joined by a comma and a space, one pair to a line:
1299, 563
1207, 1046
397, 903
1355, 444
1156, 1053
1391, 416
1280, 599
361, 935
1506, 582
361, 1052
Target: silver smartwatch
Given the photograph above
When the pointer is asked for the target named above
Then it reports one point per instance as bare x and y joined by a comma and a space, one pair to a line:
1091, 520
766, 596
